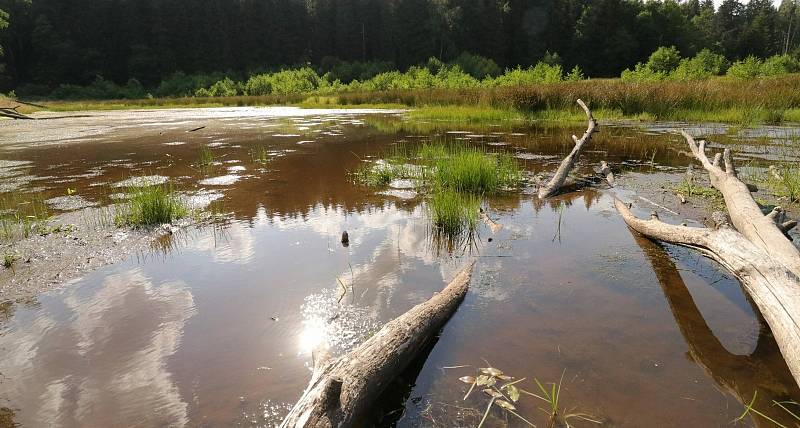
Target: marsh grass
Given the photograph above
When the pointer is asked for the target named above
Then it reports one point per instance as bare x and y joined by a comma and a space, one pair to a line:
454, 213
151, 205
784, 181
21, 215
468, 169
259, 154
205, 157
455, 177
688, 189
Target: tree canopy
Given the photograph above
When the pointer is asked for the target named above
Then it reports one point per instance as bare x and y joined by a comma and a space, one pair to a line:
50, 42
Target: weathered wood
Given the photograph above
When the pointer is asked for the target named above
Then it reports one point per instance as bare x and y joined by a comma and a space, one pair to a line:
773, 287
555, 183
745, 213
606, 172
342, 390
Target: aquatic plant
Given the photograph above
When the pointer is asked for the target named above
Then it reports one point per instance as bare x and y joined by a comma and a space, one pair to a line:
206, 157
259, 154
151, 205
505, 391
453, 212
468, 169
784, 181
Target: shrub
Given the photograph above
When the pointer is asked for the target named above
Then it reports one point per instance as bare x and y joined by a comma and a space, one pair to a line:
221, 88
746, 69
541, 73
302, 80
704, 65
664, 60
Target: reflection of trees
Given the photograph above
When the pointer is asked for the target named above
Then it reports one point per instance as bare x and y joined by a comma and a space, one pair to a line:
764, 370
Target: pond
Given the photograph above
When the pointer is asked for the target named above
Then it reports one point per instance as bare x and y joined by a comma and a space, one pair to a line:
215, 325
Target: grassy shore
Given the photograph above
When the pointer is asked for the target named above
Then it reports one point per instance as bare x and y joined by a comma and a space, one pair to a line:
761, 101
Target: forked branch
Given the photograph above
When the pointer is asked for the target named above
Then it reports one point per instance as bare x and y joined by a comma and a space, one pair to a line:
555, 183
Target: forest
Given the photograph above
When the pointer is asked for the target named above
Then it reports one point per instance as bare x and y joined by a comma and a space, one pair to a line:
47, 43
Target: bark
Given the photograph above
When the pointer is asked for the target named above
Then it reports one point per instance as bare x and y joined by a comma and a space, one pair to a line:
342, 390
744, 212
771, 285
555, 184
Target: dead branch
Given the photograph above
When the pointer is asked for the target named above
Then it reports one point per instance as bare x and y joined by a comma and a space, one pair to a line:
568, 163
745, 213
774, 289
342, 390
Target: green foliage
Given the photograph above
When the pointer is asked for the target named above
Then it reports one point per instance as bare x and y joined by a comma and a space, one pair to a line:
221, 88
151, 205
664, 60
452, 212
477, 66
470, 170
100, 89
8, 259
540, 73
752, 67
297, 81
702, 66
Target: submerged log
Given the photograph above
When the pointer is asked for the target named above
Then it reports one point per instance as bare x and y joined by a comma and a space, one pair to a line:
555, 183
756, 252
342, 390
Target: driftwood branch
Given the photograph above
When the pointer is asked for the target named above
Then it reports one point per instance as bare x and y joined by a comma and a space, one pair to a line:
756, 251
342, 390
745, 213
555, 183
774, 289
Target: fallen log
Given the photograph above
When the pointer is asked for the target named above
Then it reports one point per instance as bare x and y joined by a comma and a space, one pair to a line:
555, 183
342, 390
745, 213
773, 287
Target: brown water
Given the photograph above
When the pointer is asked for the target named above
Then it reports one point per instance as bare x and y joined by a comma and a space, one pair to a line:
215, 327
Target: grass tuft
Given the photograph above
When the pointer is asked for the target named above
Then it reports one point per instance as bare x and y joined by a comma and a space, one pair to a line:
206, 157
151, 205
452, 212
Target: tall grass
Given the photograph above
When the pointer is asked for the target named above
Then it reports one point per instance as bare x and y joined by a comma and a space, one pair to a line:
151, 205
468, 169
453, 213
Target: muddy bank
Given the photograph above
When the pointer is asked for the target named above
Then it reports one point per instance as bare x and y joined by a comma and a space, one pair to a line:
68, 246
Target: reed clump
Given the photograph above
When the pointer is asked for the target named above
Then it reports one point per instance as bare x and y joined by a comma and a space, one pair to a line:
151, 205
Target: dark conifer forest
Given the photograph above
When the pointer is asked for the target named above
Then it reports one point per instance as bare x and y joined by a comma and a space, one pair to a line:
51, 42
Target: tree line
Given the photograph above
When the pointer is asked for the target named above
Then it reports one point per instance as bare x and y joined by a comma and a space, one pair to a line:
46, 43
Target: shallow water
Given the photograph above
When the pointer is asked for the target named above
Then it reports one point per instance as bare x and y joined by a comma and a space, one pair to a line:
216, 325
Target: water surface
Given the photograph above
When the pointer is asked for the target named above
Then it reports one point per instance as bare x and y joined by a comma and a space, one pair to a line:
216, 326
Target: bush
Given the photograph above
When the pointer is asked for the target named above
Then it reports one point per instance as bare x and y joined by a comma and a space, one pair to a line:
302, 80
704, 65
221, 88
664, 60
541, 73
746, 69
779, 64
